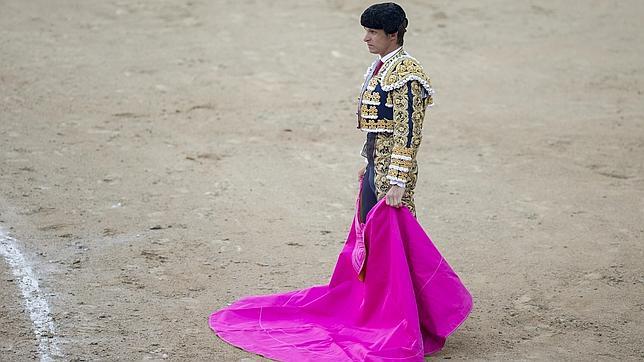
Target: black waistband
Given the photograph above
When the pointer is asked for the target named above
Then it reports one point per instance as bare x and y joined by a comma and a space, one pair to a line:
369, 148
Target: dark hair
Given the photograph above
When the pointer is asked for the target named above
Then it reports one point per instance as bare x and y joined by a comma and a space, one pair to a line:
389, 17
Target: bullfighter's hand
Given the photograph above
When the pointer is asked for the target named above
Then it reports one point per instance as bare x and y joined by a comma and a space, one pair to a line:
394, 196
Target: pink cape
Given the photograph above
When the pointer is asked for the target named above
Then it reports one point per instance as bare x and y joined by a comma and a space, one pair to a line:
407, 305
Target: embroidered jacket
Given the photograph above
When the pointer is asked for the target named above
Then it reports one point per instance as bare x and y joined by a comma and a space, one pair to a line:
393, 103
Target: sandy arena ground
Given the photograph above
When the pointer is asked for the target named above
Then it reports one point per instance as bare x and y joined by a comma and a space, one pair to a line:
160, 159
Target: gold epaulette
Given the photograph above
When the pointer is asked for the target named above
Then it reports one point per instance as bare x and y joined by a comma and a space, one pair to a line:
401, 71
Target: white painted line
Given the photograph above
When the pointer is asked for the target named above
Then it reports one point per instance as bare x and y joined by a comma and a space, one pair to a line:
33, 298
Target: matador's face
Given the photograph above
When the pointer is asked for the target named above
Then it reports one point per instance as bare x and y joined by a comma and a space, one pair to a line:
378, 41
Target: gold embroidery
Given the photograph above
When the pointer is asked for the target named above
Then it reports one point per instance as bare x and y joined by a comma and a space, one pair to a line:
403, 70
373, 82
398, 175
400, 157
383, 148
382, 125
369, 111
371, 98
402, 151
418, 115
390, 101
401, 122
401, 163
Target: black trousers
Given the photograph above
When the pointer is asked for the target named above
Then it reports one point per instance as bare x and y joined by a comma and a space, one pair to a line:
368, 196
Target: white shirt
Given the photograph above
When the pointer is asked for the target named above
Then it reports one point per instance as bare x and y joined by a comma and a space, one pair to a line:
389, 55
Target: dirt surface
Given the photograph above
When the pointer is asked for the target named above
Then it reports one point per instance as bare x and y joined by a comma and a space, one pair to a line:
160, 159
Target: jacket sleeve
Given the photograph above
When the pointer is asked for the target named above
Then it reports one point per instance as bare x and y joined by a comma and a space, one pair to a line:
409, 112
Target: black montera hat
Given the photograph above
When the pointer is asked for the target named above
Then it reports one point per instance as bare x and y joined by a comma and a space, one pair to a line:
389, 17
